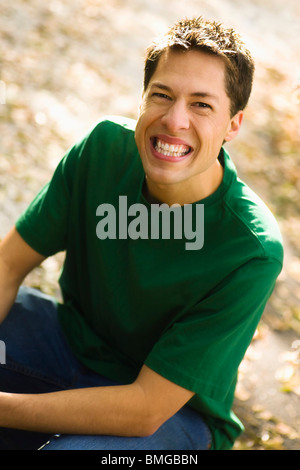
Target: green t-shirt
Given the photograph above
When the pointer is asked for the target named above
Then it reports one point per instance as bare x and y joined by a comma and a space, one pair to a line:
188, 314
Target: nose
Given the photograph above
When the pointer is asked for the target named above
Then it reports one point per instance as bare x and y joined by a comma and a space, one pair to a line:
176, 117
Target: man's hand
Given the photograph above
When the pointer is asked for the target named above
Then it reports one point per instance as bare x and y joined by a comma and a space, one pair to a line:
138, 409
17, 259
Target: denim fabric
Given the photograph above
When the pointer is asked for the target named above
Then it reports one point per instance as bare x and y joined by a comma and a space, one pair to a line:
38, 360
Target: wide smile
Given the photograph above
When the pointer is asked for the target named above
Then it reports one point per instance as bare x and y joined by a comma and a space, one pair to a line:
169, 148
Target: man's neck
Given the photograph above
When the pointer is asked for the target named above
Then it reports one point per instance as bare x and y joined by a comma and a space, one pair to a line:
187, 192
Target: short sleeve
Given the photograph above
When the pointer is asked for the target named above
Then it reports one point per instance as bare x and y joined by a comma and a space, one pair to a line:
44, 224
202, 351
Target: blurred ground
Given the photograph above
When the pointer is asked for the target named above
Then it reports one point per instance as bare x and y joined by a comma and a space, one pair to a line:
63, 65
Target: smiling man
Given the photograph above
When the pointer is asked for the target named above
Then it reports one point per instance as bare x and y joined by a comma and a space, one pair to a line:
184, 119
144, 350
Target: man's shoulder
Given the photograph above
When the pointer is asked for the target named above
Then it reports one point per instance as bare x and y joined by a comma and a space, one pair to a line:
115, 124
256, 218
110, 137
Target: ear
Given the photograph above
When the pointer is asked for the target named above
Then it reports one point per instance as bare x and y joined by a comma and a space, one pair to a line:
234, 126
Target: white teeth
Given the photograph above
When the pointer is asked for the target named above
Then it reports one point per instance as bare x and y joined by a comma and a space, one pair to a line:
171, 150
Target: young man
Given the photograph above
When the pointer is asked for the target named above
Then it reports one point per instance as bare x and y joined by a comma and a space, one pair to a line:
144, 351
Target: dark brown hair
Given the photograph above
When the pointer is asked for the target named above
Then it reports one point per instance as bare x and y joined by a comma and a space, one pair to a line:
213, 38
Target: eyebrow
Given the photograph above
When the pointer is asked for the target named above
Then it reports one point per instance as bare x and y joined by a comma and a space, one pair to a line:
198, 94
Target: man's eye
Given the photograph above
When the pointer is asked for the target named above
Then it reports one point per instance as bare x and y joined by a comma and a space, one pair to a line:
162, 96
200, 104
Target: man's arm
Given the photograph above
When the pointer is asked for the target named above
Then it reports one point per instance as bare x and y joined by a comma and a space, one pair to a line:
17, 259
138, 409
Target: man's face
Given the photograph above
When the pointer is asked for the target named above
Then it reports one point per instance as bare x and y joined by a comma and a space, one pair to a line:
184, 120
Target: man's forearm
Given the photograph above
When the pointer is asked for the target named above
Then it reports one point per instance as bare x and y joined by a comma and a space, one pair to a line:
119, 410
8, 292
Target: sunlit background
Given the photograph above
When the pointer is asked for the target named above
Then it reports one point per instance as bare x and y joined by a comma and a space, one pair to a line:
64, 64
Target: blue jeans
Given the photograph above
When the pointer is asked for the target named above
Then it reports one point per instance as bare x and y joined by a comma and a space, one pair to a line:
38, 360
